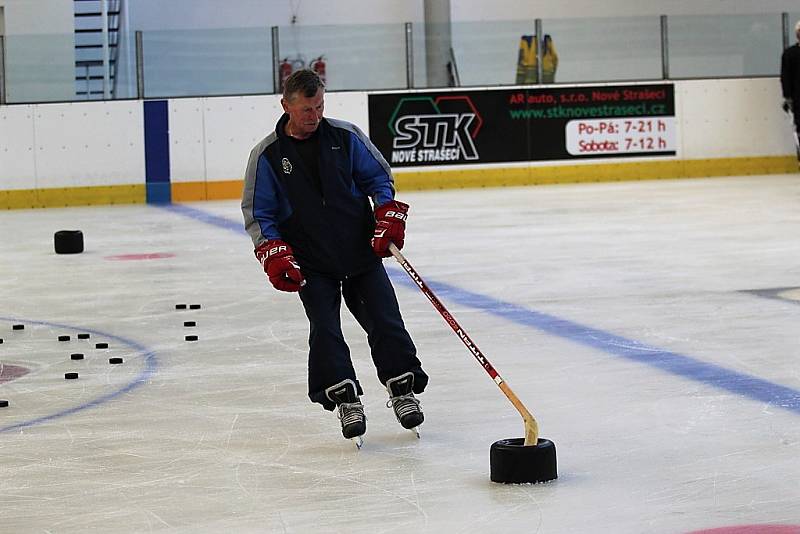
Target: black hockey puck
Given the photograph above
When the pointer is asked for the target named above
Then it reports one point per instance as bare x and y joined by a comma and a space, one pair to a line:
101, 346
180, 306
76, 356
63, 338
84, 336
191, 338
194, 306
3, 403
115, 361
70, 376
511, 462
69, 241
1, 340
18, 327
189, 323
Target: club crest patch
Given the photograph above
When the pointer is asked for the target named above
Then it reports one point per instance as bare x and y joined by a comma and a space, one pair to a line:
287, 166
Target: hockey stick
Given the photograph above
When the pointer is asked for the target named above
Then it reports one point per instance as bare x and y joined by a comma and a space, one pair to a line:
531, 426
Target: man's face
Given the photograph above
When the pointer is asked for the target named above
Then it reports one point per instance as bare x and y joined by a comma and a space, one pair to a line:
304, 112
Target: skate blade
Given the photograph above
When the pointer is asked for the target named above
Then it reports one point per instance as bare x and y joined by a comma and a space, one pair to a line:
415, 430
359, 441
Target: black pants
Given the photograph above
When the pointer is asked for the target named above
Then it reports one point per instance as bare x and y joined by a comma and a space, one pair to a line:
370, 298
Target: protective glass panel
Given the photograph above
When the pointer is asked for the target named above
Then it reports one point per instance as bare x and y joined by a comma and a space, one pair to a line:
605, 49
207, 62
486, 52
724, 45
39, 68
355, 57
124, 84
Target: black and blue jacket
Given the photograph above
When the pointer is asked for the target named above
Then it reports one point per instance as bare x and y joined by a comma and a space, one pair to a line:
328, 226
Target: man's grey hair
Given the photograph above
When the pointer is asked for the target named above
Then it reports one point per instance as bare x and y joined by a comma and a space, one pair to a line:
304, 82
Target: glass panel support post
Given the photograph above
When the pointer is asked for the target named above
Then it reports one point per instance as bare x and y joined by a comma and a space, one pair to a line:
139, 67
664, 48
276, 61
537, 25
2, 70
409, 33
786, 30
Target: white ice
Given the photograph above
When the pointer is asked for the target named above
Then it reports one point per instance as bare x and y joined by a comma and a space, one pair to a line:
218, 435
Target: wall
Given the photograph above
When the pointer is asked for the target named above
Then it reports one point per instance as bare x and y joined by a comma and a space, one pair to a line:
516, 10
71, 153
196, 14
84, 153
40, 50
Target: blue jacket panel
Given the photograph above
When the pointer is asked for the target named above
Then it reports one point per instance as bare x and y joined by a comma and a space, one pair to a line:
328, 229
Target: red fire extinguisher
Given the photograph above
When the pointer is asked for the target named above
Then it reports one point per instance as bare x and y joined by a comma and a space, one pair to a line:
285, 68
318, 66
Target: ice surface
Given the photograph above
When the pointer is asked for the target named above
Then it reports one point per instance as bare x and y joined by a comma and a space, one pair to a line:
651, 327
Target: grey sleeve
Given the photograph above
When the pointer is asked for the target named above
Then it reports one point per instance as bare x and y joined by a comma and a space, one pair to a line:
259, 203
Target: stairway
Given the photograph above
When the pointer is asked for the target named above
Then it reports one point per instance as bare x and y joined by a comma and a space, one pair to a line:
96, 47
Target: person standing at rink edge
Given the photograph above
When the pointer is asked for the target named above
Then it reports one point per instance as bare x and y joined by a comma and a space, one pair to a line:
790, 80
306, 205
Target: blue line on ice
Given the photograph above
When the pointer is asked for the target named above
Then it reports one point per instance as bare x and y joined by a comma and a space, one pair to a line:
677, 364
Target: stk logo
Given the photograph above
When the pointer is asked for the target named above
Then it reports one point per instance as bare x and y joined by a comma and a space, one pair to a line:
428, 129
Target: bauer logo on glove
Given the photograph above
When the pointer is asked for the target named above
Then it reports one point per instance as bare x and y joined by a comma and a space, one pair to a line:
280, 266
390, 227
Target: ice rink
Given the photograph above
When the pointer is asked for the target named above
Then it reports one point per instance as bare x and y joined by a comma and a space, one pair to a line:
653, 328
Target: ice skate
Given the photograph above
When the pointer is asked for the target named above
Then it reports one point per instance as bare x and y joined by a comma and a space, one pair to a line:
350, 410
404, 403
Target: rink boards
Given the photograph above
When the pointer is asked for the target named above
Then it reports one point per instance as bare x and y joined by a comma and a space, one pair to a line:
189, 149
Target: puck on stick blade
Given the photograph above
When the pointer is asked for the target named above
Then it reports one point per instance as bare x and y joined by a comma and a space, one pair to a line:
3, 403
18, 327
189, 323
70, 376
84, 336
101, 346
180, 306
76, 356
194, 306
511, 462
63, 338
191, 338
115, 361
69, 241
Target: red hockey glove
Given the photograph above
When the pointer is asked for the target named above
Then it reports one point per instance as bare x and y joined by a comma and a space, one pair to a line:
390, 228
278, 261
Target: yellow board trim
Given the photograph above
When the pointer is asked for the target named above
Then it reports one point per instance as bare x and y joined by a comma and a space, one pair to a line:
423, 180
553, 174
188, 191
217, 190
59, 197
600, 172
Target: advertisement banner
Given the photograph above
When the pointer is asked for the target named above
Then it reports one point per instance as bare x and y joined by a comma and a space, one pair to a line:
534, 124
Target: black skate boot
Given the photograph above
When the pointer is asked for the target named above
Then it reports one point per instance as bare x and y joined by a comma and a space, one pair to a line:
351, 411
403, 401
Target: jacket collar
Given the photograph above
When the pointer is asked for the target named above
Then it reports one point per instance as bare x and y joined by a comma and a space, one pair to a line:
280, 127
